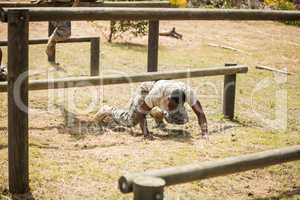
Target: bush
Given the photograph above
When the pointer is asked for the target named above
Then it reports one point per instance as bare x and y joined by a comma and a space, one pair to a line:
136, 28
280, 4
283, 5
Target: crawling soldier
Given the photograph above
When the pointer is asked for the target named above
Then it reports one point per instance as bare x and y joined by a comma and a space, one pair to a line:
162, 99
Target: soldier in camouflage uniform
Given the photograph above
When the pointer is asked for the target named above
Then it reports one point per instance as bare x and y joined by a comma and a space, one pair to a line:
163, 100
61, 32
3, 71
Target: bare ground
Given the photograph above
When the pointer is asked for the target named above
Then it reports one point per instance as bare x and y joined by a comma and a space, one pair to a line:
69, 164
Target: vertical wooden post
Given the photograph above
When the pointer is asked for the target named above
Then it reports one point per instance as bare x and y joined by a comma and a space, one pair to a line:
95, 56
148, 188
229, 94
51, 29
18, 27
153, 37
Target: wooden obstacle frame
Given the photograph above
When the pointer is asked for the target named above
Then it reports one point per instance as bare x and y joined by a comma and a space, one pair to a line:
94, 50
18, 30
149, 185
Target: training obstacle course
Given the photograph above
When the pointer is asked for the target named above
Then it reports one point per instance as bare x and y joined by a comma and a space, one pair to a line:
18, 28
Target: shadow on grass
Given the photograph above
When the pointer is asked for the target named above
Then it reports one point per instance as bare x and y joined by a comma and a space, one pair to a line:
5, 194
283, 195
43, 146
220, 130
130, 46
27, 196
37, 128
178, 135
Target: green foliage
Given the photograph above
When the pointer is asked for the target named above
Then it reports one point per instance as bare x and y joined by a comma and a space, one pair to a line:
283, 5
136, 28
280, 4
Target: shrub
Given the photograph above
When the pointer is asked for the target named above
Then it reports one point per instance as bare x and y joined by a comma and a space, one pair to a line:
283, 5
136, 28
280, 4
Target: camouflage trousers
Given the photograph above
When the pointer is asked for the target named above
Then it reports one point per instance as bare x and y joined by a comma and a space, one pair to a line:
61, 32
129, 117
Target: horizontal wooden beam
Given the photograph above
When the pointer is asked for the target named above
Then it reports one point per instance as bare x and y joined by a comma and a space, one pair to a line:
154, 4
133, 4
77, 14
109, 80
45, 40
210, 169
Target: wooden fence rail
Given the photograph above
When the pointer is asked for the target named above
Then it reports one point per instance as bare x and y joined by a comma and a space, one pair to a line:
148, 4
77, 14
94, 50
45, 40
210, 169
109, 80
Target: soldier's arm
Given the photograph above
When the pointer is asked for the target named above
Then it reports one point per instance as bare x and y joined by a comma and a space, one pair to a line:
143, 110
197, 108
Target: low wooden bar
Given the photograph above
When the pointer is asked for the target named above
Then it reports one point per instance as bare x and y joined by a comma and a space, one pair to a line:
141, 77
210, 169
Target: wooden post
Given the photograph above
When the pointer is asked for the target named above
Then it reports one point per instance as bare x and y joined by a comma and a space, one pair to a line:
148, 188
51, 29
153, 37
229, 94
95, 56
18, 27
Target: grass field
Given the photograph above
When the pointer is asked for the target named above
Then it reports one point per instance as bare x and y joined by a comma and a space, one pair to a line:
69, 164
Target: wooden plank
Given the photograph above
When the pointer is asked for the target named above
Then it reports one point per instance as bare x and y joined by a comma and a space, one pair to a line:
141, 77
210, 169
153, 38
12, 4
95, 56
272, 69
154, 4
133, 4
229, 94
45, 40
83, 13
18, 28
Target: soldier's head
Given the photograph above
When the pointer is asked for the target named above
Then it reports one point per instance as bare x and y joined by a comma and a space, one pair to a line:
176, 99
